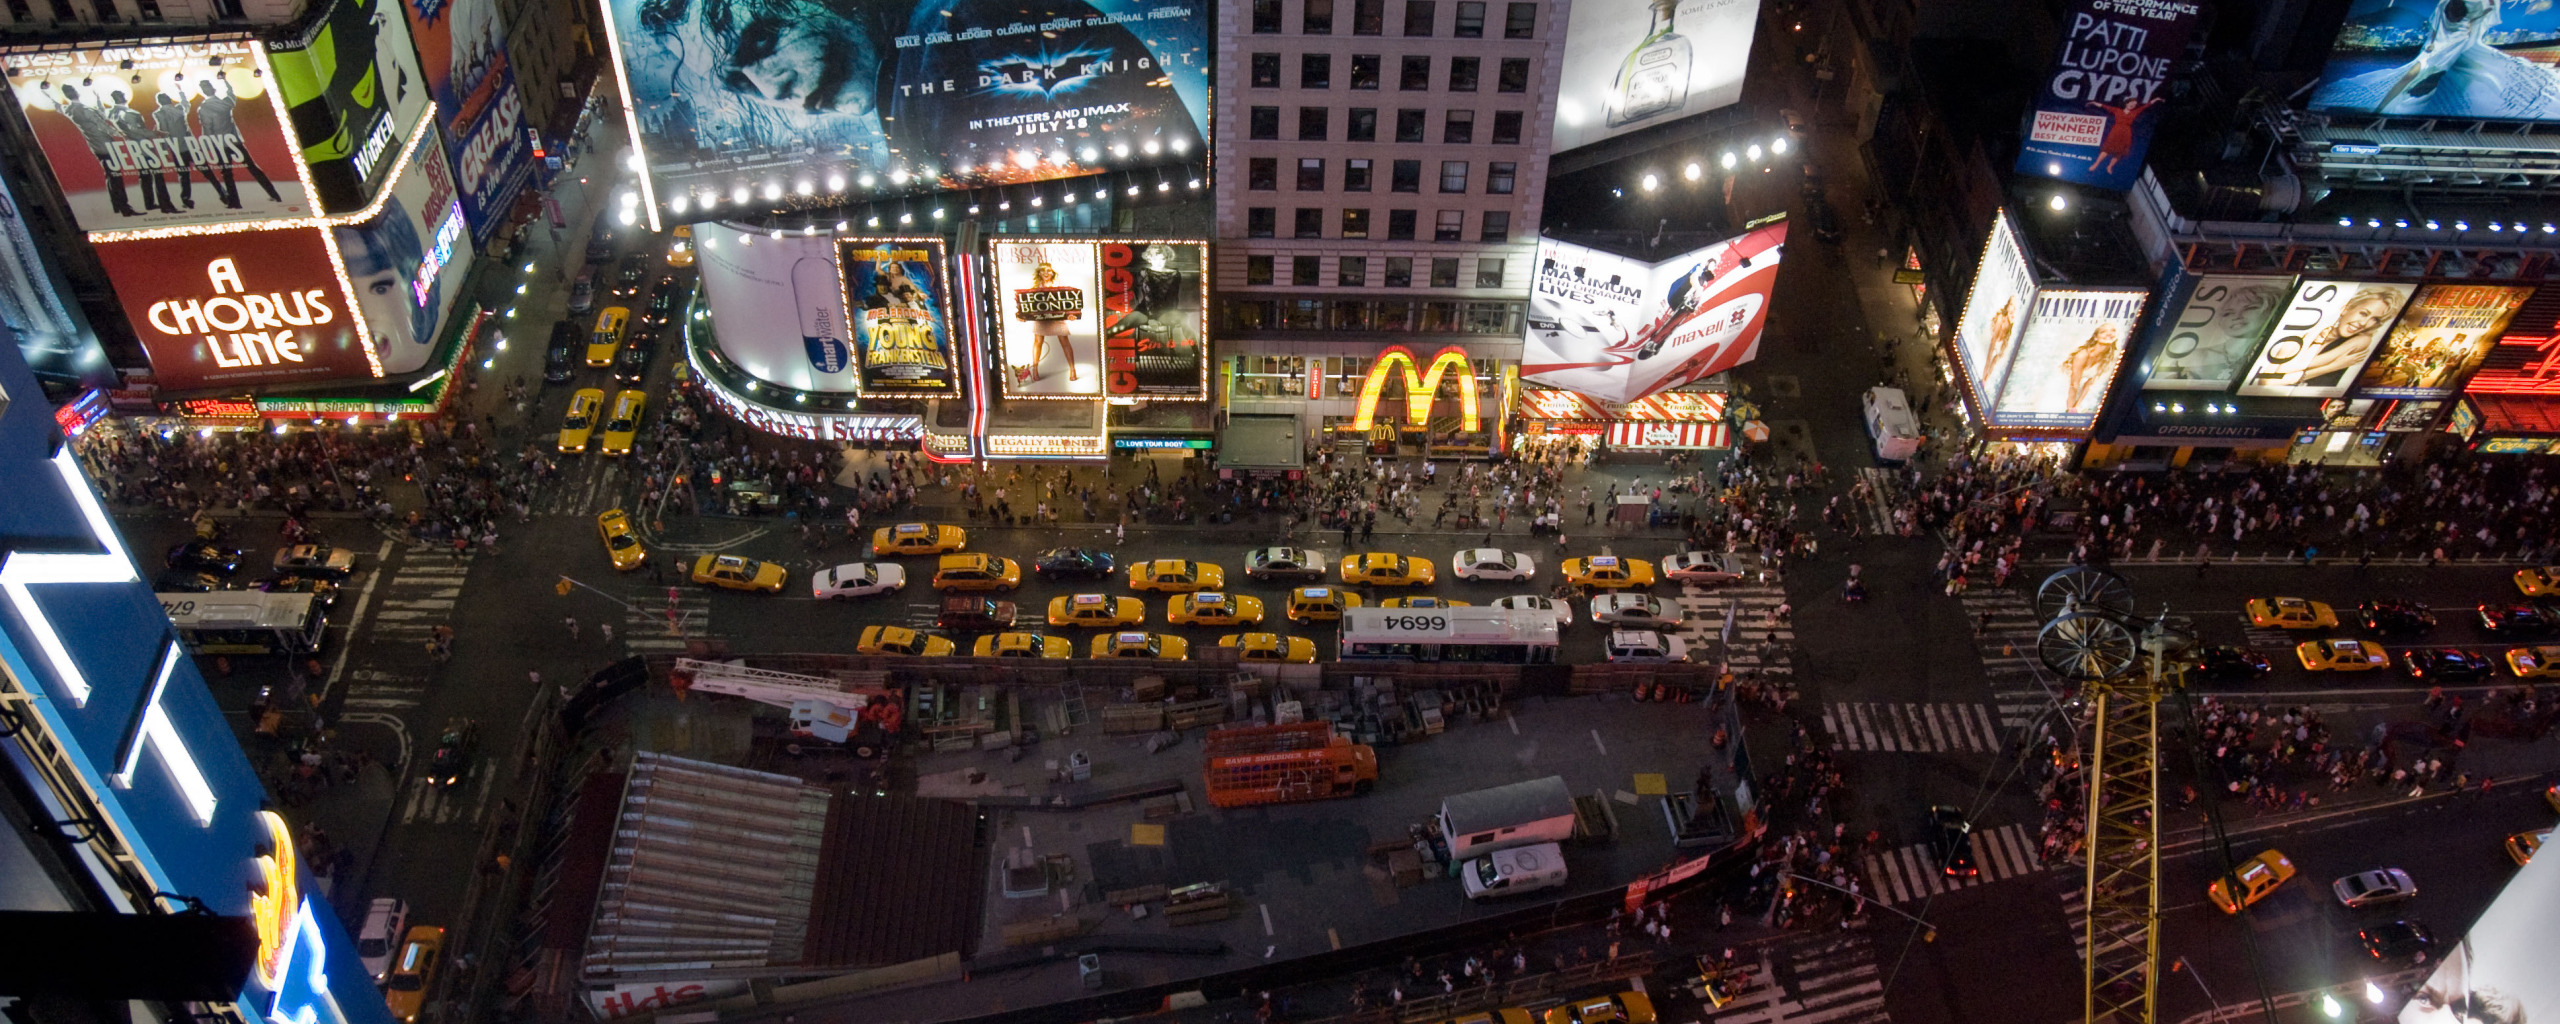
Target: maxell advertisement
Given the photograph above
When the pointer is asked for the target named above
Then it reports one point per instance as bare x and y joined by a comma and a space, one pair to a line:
2324, 335
462, 49
238, 311
1153, 295
352, 85
2491, 59
2445, 333
54, 335
2067, 357
2103, 96
906, 95
899, 292
2501, 969
777, 307
1634, 64
1049, 319
1619, 329
1995, 311
175, 140
2215, 332
407, 263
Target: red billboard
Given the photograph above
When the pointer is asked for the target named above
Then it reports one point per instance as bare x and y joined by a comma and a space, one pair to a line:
160, 136
241, 310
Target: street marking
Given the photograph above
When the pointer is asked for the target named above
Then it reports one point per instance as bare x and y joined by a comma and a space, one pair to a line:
1266, 920
355, 622
1595, 741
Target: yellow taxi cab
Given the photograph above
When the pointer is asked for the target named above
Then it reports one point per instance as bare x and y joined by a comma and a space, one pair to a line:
2342, 655
1387, 569
2528, 662
2551, 795
1022, 645
734, 573
1176, 575
977, 572
580, 425
1099, 610
624, 423
1623, 1008
2521, 846
1320, 604
680, 249
413, 972
1272, 647
620, 543
1502, 1015
607, 336
2257, 877
1422, 601
1141, 645
901, 640
1210, 608
1608, 572
919, 539
2290, 613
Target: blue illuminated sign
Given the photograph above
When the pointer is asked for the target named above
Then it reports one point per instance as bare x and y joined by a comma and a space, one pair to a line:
448, 233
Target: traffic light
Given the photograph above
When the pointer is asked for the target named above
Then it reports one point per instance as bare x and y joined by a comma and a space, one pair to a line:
562, 587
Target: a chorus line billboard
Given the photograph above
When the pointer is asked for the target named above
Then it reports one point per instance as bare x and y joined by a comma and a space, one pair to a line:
2443, 335
731, 97
2489, 59
462, 48
239, 310
190, 134
777, 306
351, 81
2066, 357
898, 292
2216, 331
2100, 101
1995, 310
2324, 335
1618, 329
1633, 64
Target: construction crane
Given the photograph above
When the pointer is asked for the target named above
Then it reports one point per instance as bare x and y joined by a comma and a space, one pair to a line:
2123, 666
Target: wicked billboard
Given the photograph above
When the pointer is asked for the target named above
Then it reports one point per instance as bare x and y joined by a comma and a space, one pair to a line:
173, 135
352, 85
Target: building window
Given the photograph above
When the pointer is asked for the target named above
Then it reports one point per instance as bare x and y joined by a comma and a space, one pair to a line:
1368, 17
1355, 175
1498, 177
1399, 271
1409, 125
1355, 223
1257, 270
1451, 227
1521, 22
1488, 269
1310, 222
1310, 174
1364, 124
1506, 127
1317, 18
1462, 73
1418, 16
1364, 71
1470, 19
1259, 222
1351, 271
1458, 127
1417, 74
1265, 123
1302, 315
1444, 274
1439, 317
107, 11
1315, 71
1497, 228
1266, 71
1406, 176
1266, 17
1262, 173
1306, 271
1312, 123
1514, 75
150, 9
1351, 316
1453, 176
1399, 228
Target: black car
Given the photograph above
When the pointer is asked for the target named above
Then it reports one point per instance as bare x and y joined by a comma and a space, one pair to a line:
634, 274
2398, 942
1074, 563
600, 244
452, 761
205, 556
1284, 564
324, 592
661, 306
2514, 620
1951, 842
2224, 663
2446, 664
560, 361
632, 363
1826, 223
186, 581
2395, 617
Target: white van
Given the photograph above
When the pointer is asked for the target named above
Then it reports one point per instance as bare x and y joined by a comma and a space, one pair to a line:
1891, 426
1513, 871
384, 923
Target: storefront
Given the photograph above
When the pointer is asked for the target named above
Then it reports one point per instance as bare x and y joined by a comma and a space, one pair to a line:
2507, 424
2157, 430
1391, 402
1685, 420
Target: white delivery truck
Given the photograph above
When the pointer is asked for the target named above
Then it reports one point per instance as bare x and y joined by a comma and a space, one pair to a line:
1516, 870
1891, 426
1520, 814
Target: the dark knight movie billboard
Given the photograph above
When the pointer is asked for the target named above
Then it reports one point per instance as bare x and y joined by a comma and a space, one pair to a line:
737, 97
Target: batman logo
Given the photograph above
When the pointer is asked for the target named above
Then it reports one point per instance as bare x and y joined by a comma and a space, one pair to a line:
1048, 76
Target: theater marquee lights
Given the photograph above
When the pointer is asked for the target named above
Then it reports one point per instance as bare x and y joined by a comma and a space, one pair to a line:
1420, 387
381, 198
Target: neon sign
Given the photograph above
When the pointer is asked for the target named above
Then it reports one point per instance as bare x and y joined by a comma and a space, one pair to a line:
1419, 387
448, 233
271, 909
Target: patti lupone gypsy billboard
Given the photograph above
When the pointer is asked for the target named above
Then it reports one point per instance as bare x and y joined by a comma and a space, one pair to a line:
2093, 122
190, 134
1153, 295
898, 292
2326, 332
240, 310
2443, 335
1618, 329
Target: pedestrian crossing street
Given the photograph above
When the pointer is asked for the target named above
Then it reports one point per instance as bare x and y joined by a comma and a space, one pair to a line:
415, 598
2007, 646
1875, 513
1821, 979
1913, 872
1761, 644
664, 619
2268, 639
1911, 728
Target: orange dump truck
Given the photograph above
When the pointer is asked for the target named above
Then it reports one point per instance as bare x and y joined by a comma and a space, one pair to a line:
1276, 764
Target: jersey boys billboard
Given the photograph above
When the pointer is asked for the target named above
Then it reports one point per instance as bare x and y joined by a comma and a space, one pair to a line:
173, 140
2215, 332
1618, 329
898, 291
1153, 297
239, 310
2103, 96
1633, 64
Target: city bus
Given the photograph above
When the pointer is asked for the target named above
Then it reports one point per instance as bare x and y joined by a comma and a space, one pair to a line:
1502, 636
247, 622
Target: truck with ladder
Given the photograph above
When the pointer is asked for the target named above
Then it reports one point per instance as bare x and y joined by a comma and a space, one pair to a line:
859, 717
1273, 764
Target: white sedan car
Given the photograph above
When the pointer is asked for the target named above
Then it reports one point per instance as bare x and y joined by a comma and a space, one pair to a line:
860, 579
1712, 567
1534, 603
1634, 610
1492, 564
2373, 888
1645, 645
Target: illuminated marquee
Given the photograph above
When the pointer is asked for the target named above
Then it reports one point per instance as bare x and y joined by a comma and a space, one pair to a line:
308, 307
448, 234
1419, 387
271, 908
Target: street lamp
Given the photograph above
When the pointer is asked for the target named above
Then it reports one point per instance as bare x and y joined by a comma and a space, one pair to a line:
1693, 172
2058, 203
1650, 182
2329, 1006
2373, 993
1728, 160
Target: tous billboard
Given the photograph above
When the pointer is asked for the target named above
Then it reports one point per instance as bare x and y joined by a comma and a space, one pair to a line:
240, 310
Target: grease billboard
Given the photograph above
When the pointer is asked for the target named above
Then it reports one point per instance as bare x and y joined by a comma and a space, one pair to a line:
238, 311
2443, 335
898, 291
1995, 311
2217, 329
2067, 356
462, 50
1050, 323
777, 306
1633, 64
2490, 59
1153, 295
350, 81
1618, 329
2094, 119
190, 135
2326, 332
